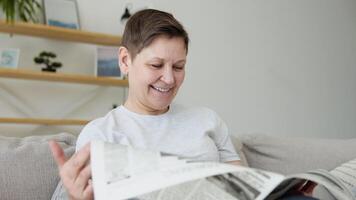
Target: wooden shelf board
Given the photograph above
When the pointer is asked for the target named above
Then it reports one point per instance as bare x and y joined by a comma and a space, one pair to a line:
61, 77
52, 32
43, 121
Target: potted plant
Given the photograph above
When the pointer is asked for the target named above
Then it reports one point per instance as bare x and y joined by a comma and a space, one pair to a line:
45, 58
26, 10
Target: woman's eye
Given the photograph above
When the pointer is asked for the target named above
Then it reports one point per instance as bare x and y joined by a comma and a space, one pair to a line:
178, 68
156, 65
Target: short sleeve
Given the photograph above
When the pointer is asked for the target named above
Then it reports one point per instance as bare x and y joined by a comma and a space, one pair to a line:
223, 141
89, 133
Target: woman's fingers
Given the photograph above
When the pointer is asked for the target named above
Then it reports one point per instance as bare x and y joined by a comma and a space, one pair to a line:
79, 174
308, 188
75, 172
88, 191
83, 178
57, 153
77, 162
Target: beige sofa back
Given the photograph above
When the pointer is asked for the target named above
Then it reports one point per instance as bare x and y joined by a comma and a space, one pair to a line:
27, 169
288, 155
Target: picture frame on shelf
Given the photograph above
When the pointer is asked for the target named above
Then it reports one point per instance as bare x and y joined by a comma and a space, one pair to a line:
61, 13
107, 62
9, 58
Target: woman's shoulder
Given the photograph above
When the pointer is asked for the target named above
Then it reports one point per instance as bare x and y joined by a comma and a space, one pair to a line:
107, 119
98, 129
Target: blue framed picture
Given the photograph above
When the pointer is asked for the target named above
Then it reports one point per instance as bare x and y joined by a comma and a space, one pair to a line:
107, 62
9, 58
61, 13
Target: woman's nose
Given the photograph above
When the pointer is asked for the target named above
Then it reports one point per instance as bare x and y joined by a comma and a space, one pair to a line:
167, 75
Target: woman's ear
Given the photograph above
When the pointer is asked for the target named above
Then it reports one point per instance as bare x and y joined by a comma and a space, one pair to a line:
124, 60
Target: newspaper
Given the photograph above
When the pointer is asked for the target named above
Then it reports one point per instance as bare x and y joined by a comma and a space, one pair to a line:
123, 172
347, 175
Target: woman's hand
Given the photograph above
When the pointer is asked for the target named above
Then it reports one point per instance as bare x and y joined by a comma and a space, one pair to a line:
75, 172
236, 162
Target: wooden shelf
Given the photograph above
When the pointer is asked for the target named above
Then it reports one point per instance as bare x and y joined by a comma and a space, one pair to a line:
52, 32
58, 33
61, 77
44, 121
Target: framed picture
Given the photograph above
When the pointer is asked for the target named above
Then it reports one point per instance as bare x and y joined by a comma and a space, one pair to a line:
9, 58
107, 62
62, 13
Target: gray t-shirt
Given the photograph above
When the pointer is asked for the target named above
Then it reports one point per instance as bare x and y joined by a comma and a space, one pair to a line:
192, 133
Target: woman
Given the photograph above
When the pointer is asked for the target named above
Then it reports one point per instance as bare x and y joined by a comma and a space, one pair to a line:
153, 56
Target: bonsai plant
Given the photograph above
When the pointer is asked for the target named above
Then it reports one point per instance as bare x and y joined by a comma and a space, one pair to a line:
25, 9
45, 58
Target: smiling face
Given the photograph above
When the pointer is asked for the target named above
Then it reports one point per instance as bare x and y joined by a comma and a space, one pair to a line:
155, 74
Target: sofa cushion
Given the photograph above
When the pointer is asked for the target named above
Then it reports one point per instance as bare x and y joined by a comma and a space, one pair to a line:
288, 155
60, 193
27, 169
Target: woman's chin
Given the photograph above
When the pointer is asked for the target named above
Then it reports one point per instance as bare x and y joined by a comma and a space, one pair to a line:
160, 107
161, 103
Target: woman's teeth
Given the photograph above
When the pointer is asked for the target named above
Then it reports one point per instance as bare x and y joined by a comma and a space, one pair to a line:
161, 89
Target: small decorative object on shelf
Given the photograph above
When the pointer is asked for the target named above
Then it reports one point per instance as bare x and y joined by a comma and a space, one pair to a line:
9, 58
62, 13
107, 63
45, 58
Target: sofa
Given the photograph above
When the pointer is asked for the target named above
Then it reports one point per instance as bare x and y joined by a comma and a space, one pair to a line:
28, 171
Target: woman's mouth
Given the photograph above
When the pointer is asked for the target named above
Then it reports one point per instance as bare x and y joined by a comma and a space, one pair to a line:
161, 89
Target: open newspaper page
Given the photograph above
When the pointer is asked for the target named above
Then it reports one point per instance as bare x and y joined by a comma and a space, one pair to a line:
340, 182
122, 172
346, 173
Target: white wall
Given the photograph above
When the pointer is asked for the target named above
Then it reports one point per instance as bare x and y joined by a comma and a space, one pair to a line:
277, 67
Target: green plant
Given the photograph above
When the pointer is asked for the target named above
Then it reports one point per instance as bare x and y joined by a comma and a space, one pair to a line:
45, 58
27, 9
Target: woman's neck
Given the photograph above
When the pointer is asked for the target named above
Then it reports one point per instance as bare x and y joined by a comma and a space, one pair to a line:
140, 108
